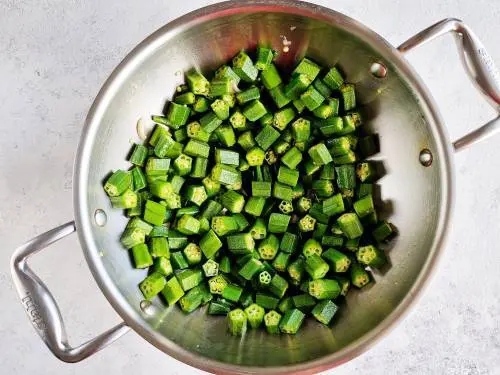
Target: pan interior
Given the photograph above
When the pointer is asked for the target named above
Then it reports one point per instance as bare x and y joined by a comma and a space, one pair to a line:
415, 197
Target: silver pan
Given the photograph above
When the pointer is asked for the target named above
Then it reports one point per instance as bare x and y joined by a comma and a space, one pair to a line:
418, 188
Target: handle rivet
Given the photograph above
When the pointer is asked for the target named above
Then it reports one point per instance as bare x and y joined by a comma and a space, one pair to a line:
100, 217
425, 157
378, 70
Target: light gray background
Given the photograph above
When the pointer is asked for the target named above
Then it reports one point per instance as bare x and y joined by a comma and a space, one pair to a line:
55, 55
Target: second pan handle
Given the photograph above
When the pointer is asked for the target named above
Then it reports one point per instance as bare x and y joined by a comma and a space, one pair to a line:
478, 64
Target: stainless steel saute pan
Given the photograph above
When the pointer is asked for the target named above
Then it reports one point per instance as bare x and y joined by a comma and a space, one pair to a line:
416, 152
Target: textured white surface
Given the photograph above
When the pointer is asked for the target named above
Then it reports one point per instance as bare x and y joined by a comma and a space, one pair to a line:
54, 56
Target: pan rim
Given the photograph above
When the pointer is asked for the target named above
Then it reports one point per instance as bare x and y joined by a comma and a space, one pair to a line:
141, 52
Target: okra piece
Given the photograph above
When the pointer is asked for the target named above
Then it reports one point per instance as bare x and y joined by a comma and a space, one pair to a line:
303, 205
346, 176
172, 292
268, 248
331, 126
366, 172
316, 267
271, 321
183, 164
192, 253
196, 148
163, 266
210, 268
138, 181
335, 240
227, 157
159, 247
211, 187
212, 209
219, 307
303, 302
240, 243
189, 278
233, 201
178, 261
319, 154
266, 137
220, 87
217, 284
324, 311
209, 122
190, 210
188, 225
312, 98
159, 231
255, 156
177, 114
344, 283
244, 68
281, 261
333, 79
152, 285
324, 111
283, 117
281, 191
141, 255
338, 261
255, 206
232, 292
161, 129
199, 169
118, 183
371, 256
364, 206
333, 205
292, 321
258, 231
139, 155
292, 158
210, 244
154, 213
270, 77
348, 96
278, 95
296, 270
365, 189
248, 95
265, 57
322, 87
359, 276
246, 141
264, 279
297, 85
127, 200
225, 174
237, 322
176, 240
192, 299
286, 207
226, 136
185, 98
225, 265
250, 268
201, 104
197, 83
278, 223
261, 189
312, 247
266, 301
307, 223
238, 121
383, 232
350, 225
278, 286
322, 188
225, 71
289, 242
286, 304
352, 244
242, 221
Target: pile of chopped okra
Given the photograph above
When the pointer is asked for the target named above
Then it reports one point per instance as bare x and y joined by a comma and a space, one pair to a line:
251, 195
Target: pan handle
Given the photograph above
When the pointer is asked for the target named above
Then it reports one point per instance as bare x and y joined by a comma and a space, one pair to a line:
41, 306
479, 66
